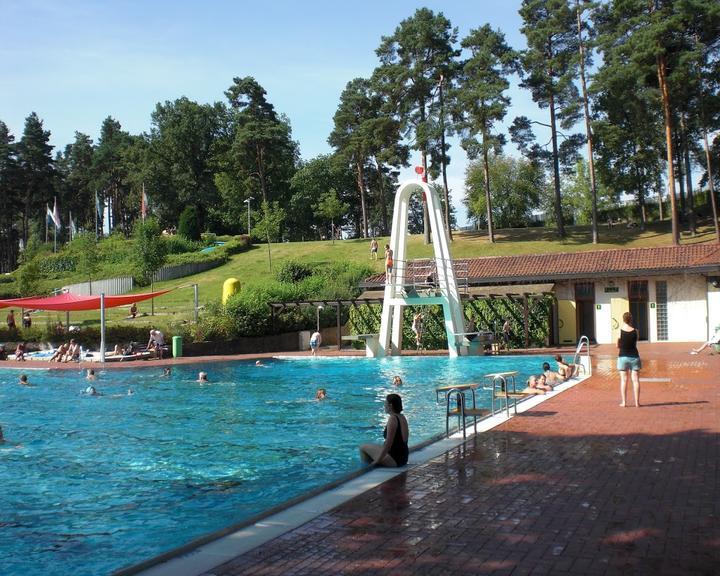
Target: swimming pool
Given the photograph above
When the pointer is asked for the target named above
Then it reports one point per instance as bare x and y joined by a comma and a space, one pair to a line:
92, 484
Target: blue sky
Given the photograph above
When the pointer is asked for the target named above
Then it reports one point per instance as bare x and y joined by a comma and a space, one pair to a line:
76, 62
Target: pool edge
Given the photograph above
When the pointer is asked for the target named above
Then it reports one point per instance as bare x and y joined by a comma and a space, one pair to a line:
206, 552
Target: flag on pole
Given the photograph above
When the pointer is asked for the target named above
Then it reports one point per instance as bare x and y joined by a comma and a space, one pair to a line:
98, 210
56, 215
71, 225
143, 203
49, 218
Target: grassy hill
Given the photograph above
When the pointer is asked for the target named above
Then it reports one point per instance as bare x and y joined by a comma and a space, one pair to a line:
252, 267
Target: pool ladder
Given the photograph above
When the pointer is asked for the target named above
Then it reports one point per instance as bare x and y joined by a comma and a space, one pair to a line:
456, 405
586, 365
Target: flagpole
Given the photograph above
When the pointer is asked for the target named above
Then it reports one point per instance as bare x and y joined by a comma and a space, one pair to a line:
143, 208
47, 224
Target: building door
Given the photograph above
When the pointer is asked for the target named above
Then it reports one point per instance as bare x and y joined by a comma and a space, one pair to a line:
585, 299
638, 298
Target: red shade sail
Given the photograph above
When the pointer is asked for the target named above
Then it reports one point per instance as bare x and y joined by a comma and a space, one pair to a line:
73, 302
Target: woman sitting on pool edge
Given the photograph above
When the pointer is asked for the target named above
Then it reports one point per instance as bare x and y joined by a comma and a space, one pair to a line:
394, 451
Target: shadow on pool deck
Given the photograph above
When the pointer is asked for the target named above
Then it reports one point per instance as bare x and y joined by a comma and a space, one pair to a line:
577, 485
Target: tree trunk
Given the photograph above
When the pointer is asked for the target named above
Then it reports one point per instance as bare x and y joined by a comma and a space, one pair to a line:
426, 214
383, 201
680, 172
556, 170
588, 129
488, 196
444, 162
361, 189
260, 160
708, 161
688, 177
662, 82
711, 186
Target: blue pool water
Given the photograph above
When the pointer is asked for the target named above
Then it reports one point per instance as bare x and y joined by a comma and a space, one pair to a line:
92, 484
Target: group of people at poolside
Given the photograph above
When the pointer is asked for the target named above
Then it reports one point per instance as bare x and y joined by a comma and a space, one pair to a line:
548, 379
67, 352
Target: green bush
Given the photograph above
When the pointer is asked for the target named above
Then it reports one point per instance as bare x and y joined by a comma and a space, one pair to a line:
189, 225
236, 245
57, 264
180, 245
292, 272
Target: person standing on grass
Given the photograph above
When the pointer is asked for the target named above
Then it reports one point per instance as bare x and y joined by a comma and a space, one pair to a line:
628, 362
373, 249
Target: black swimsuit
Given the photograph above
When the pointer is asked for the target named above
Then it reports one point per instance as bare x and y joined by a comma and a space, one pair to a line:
399, 449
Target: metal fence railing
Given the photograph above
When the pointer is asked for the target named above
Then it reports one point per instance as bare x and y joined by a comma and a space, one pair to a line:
109, 286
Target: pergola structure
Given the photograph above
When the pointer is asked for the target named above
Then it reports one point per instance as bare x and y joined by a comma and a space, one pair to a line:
523, 295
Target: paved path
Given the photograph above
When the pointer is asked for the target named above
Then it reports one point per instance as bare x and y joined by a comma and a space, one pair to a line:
577, 485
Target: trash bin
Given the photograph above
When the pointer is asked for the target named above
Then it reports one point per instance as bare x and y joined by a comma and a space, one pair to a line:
177, 346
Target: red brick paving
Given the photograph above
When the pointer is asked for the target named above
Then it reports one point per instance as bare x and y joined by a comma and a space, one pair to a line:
577, 485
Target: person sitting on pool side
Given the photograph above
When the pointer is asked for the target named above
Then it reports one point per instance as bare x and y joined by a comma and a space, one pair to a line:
202, 377
712, 342
394, 451
565, 370
397, 381
321, 394
73, 352
551, 376
533, 386
3, 353
20, 352
543, 384
59, 354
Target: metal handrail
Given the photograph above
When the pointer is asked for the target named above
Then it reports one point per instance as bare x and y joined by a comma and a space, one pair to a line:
584, 341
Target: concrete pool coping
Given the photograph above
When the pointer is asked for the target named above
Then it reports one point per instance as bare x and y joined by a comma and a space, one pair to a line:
214, 549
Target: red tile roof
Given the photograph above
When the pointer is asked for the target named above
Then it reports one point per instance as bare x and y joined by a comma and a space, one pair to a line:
696, 258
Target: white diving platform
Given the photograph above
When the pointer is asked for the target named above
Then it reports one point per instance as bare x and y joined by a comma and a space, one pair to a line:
431, 283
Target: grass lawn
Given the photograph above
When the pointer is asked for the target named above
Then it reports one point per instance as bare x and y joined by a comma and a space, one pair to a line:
252, 267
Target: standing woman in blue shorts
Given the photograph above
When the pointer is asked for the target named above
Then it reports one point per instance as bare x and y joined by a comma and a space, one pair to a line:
628, 362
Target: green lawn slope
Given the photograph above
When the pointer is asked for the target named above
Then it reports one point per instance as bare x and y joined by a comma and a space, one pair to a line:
253, 266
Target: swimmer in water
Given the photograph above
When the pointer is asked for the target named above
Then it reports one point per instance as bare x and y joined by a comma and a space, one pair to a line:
166, 372
259, 363
203, 377
24, 380
91, 391
321, 394
90, 374
397, 381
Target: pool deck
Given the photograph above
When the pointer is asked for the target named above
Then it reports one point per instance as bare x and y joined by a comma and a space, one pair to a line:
573, 485
576, 485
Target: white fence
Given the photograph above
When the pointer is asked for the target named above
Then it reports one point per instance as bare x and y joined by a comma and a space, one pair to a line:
181, 270
122, 285
110, 286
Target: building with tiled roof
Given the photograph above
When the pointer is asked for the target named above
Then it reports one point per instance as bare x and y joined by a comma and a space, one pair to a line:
673, 292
